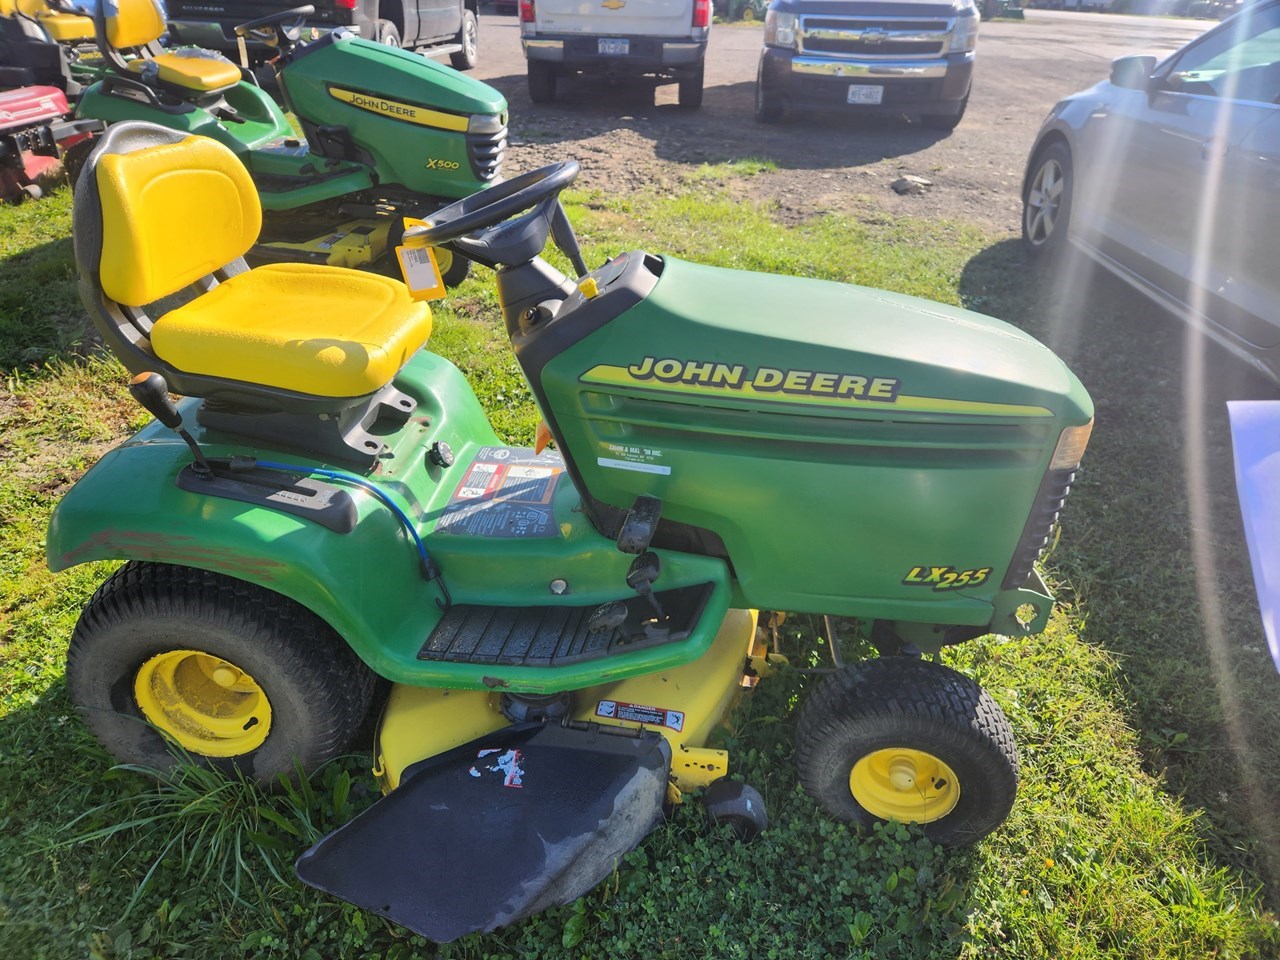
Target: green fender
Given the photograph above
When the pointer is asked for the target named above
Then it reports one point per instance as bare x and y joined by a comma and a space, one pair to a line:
365, 584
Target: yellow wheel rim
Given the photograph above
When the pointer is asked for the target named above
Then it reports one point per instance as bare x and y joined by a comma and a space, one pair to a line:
207, 704
907, 785
444, 260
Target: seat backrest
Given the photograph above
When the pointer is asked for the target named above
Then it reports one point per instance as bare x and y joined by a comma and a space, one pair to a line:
163, 210
132, 23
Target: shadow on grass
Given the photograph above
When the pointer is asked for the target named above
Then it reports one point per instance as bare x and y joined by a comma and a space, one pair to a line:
41, 317
1152, 543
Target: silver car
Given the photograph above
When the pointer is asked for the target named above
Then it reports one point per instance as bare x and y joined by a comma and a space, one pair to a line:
1169, 176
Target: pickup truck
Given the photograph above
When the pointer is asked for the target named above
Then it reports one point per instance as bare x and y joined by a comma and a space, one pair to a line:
660, 41
434, 26
868, 56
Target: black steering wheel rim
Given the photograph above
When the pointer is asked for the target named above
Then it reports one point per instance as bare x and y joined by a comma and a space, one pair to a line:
500, 202
276, 19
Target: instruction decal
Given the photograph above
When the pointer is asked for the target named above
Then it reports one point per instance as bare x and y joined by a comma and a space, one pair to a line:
639, 713
506, 492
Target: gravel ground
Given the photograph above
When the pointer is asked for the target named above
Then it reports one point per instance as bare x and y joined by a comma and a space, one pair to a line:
626, 137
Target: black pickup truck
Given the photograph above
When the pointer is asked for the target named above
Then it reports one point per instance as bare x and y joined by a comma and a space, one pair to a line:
433, 26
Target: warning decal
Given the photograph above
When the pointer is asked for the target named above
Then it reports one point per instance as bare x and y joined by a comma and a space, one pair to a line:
506, 492
639, 713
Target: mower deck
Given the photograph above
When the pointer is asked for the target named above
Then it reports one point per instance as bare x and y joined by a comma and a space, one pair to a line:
515, 822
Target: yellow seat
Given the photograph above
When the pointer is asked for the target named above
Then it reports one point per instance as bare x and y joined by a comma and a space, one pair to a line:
191, 69
175, 210
319, 330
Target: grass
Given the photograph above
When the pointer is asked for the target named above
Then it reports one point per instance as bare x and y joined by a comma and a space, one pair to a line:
1142, 829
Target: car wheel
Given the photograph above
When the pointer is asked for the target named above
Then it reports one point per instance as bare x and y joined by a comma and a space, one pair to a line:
1046, 201
388, 35
542, 82
912, 741
769, 107
690, 91
469, 38
235, 675
946, 121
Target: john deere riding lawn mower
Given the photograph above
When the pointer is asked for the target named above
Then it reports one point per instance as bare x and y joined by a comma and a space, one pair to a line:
563, 629
385, 133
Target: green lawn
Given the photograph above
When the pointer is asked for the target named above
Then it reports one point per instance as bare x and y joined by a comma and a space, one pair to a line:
1147, 714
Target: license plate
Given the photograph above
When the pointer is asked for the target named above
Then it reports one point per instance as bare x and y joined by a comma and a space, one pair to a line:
614, 48
865, 93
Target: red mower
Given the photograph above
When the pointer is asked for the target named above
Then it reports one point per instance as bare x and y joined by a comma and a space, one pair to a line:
35, 133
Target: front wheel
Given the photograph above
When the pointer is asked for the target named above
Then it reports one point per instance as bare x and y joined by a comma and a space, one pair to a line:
542, 81
946, 121
235, 675
1046, 201
469, 39
769, 107
907, 740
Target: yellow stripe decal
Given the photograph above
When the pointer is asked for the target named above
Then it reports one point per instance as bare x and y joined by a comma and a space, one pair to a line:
800, 387
396, 110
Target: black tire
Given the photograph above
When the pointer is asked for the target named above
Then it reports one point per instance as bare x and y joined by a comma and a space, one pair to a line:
769, 107
689, 96
388, 34
469, 38
454, 268
1046, 201
739, 805
317, 689
75, 157
542, 81
918, 719
946, 121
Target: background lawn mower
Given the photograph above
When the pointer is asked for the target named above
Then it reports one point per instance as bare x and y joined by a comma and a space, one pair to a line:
36, 129
563, 630
385, 133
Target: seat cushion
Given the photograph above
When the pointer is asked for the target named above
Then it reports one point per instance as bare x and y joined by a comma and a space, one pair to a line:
191, 69
319, 330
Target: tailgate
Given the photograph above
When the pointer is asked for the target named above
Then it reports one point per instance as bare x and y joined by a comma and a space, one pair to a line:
612, 18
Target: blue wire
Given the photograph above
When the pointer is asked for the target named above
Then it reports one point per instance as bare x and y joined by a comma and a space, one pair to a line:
428, 565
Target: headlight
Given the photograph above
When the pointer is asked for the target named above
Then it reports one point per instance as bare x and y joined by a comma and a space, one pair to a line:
1070, 450
780, 29
966, 35
486, 123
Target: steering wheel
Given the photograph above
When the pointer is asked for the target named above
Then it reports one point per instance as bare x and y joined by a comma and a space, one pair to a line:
286, 26
486, 228
487, 208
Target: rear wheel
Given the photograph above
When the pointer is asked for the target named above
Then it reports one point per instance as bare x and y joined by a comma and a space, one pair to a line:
690, 91
234, 674
388, 34
469, 39
542, 81
1046, 202
907, 740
